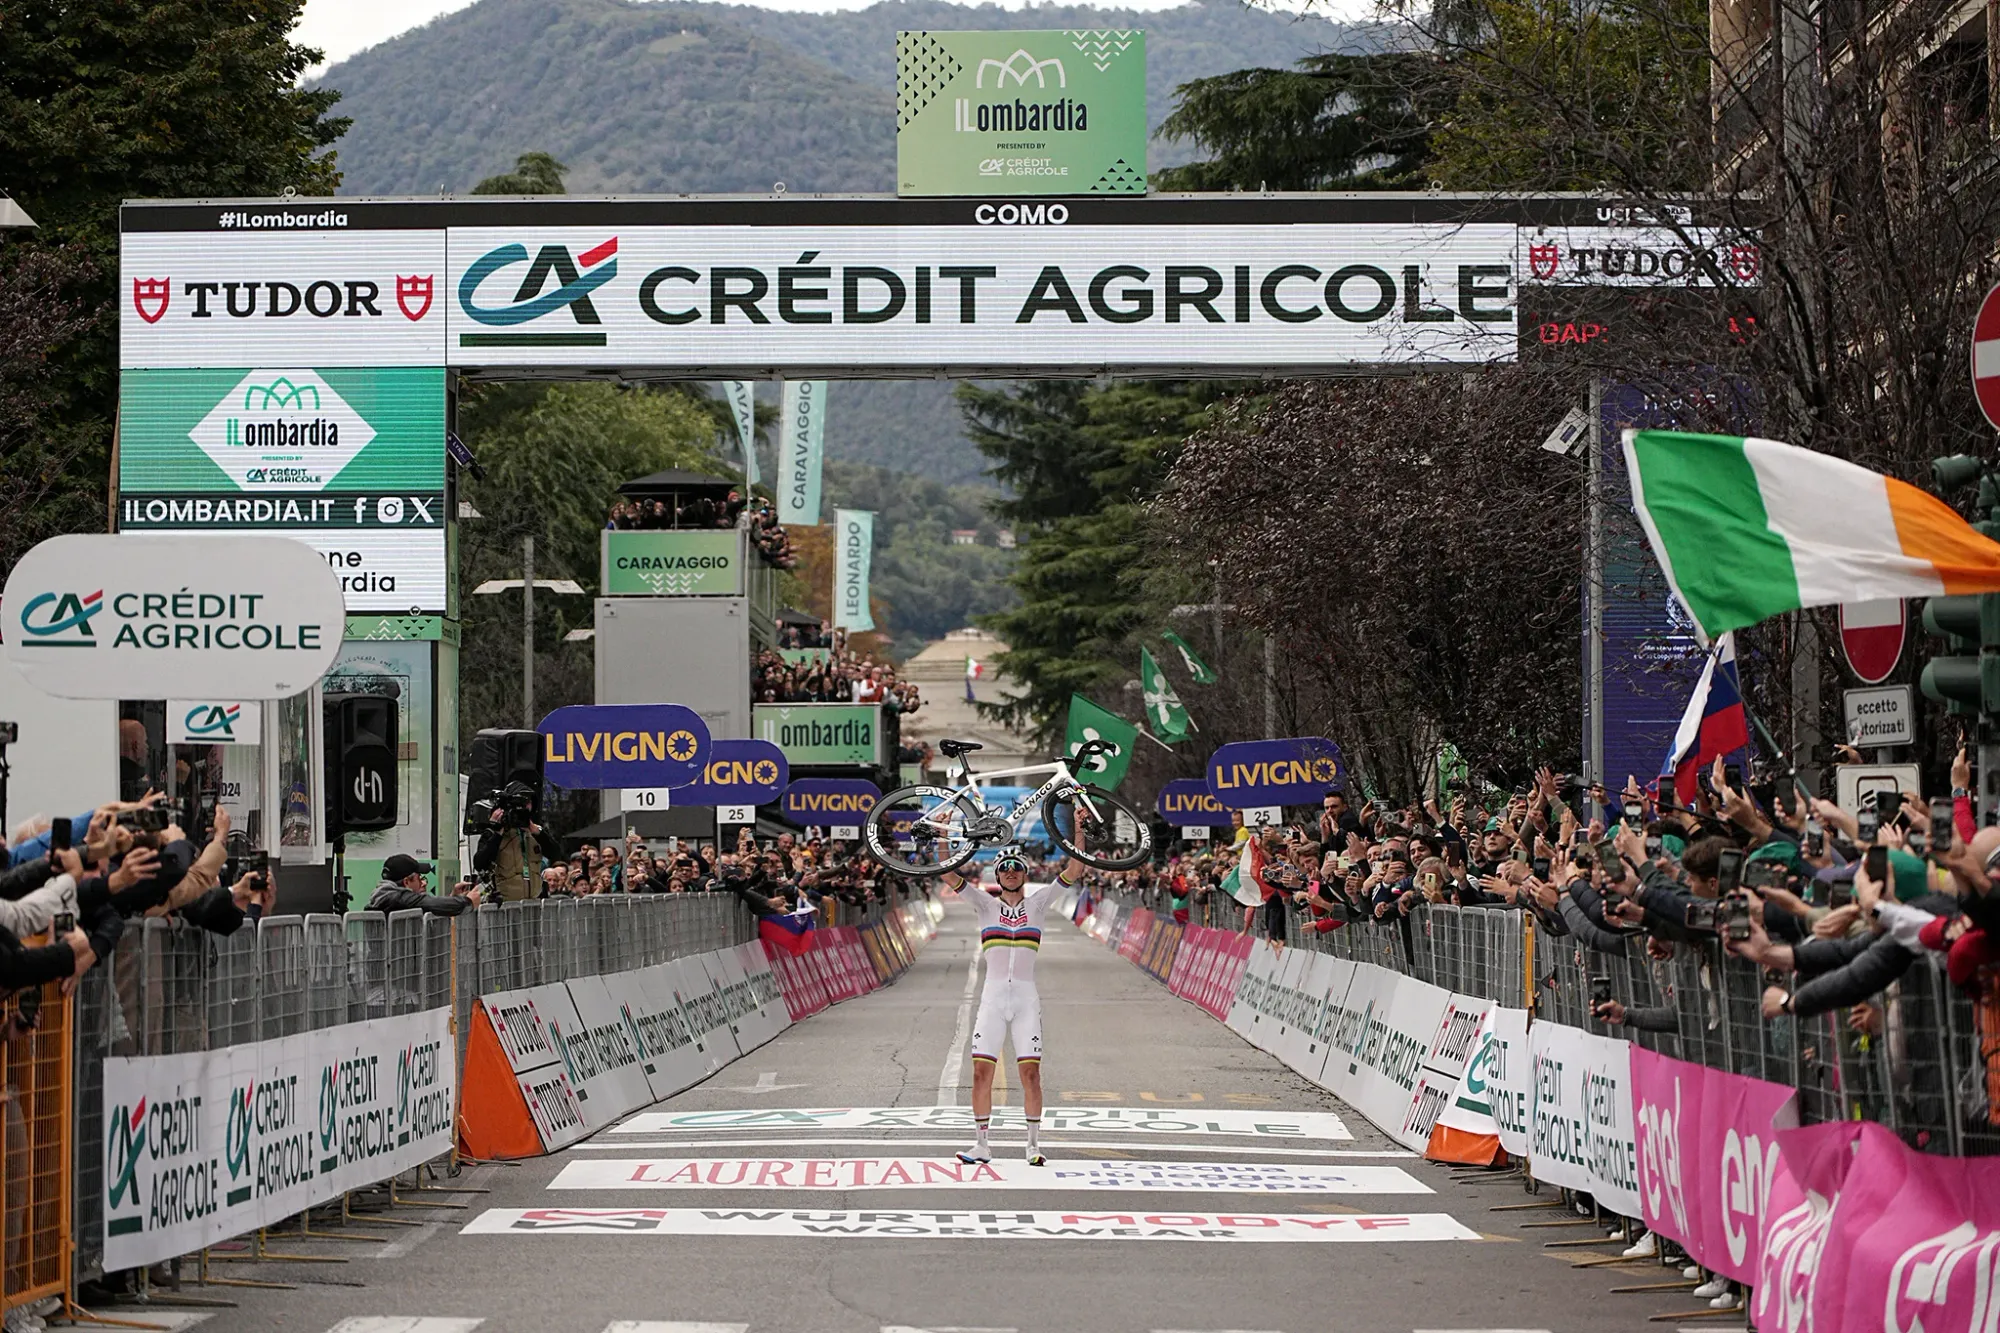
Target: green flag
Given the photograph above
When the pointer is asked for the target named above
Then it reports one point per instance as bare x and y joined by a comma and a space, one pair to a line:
853, 552
1163, 707
1200, 670
1088, 722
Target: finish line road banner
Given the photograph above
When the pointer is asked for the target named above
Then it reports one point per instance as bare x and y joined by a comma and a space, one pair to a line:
884, 1173
928, 1225
1139, 1122
213, 1144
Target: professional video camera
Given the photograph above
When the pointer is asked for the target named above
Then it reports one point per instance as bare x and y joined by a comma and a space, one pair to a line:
515, 803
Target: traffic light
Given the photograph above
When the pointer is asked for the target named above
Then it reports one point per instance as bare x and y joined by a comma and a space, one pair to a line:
1969, 686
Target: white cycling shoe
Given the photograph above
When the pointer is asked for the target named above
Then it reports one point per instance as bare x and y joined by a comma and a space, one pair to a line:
976, 1156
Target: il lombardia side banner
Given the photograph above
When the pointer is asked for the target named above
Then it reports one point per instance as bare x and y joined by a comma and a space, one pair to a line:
201, 1147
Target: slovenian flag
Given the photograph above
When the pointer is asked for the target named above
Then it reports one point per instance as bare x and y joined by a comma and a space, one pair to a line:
1714, 723
791, 932
1084, 907
973, 671
1746, 529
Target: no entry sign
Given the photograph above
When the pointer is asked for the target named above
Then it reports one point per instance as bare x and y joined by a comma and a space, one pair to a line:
1871, 634
1986, 357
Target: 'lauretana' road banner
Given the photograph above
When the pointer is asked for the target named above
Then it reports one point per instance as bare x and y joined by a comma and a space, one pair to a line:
623, 745
1295, 771
1708, 1151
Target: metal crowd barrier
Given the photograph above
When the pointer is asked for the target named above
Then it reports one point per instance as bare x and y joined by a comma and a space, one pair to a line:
1926, 1063
171, 988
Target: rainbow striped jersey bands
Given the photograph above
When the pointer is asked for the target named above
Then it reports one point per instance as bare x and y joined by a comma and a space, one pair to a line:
1010, 936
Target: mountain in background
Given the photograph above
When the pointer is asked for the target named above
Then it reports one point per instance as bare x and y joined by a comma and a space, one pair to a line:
665, 98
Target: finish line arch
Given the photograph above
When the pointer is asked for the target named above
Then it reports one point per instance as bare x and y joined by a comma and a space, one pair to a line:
723, 287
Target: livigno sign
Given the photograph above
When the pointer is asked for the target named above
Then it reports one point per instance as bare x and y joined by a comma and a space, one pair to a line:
993, 113
172, 617
822, 734
672, 564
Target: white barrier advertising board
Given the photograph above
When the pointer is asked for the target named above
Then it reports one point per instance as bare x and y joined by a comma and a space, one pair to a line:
588, 1051
212, 1144
1581, 1132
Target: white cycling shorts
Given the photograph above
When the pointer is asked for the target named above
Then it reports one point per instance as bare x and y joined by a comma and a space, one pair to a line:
1015, 1009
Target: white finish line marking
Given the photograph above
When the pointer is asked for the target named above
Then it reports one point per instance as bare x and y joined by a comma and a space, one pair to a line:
671, 1326
1135, 1120
840, 1175
785, 1141
934, 1225
394, 1323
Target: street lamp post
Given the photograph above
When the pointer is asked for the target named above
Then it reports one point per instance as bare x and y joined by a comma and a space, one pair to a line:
527, 583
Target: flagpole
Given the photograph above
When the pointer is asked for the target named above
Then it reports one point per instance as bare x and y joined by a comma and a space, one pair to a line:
1764, 735
1156, 740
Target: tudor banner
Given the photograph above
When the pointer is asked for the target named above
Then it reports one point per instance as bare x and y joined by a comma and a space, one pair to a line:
213, 1144
801, 447
853, 551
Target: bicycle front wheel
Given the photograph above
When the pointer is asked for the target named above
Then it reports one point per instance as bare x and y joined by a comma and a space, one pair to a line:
921, 831
1097, 828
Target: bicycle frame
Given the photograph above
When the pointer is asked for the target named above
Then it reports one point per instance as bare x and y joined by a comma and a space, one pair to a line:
1059, 772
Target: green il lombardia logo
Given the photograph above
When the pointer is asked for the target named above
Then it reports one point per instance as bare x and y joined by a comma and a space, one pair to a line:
125, 1145
236, 1140
280, 393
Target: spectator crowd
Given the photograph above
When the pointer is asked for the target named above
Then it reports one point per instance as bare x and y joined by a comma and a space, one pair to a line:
841, 675
756, 514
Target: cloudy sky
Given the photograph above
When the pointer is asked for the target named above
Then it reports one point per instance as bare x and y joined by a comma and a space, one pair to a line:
343, 27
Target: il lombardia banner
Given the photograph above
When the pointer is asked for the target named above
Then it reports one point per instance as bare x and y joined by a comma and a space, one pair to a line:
1011, 113
201, 1147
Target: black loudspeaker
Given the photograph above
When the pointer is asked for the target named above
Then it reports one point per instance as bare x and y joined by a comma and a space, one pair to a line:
496, 758
362, 736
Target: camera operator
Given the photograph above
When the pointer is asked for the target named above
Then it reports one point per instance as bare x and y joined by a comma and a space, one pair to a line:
404, 886
512, 846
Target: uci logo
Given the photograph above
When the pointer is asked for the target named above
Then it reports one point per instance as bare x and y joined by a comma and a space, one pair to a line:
576, 279
61, 619
213, 720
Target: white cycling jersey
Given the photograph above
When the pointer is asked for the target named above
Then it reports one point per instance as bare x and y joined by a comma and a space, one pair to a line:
1010, 936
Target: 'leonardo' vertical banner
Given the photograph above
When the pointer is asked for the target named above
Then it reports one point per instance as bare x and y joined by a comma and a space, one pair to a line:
854, 538
744, 401
799, 457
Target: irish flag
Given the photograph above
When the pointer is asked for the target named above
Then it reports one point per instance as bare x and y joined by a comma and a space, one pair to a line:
1747, 528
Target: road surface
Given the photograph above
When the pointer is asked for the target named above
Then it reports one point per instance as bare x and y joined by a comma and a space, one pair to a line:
1147, 1219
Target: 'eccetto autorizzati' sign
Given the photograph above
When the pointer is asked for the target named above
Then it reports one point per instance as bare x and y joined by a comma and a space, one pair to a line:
157, 617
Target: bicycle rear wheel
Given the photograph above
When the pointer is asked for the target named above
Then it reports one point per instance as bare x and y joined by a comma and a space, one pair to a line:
921, 831
1097, 828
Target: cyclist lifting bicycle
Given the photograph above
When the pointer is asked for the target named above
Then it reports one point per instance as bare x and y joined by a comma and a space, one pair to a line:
926, 831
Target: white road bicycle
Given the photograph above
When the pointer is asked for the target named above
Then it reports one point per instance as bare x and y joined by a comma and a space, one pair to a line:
922, 831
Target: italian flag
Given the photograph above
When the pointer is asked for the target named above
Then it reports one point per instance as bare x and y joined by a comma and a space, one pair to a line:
1746, 529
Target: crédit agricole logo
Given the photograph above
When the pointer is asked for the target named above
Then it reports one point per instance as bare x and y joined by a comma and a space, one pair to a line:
575, 278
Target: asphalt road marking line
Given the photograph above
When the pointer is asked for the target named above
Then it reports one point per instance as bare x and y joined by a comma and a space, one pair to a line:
948, 1080
174, 1320
943, 1328
1049, 1139
403, 1323
1496, 1330
671, 1326
403, 1244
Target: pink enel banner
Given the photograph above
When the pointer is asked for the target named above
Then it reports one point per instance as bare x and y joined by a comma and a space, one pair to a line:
1707, 1154
1207, 967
